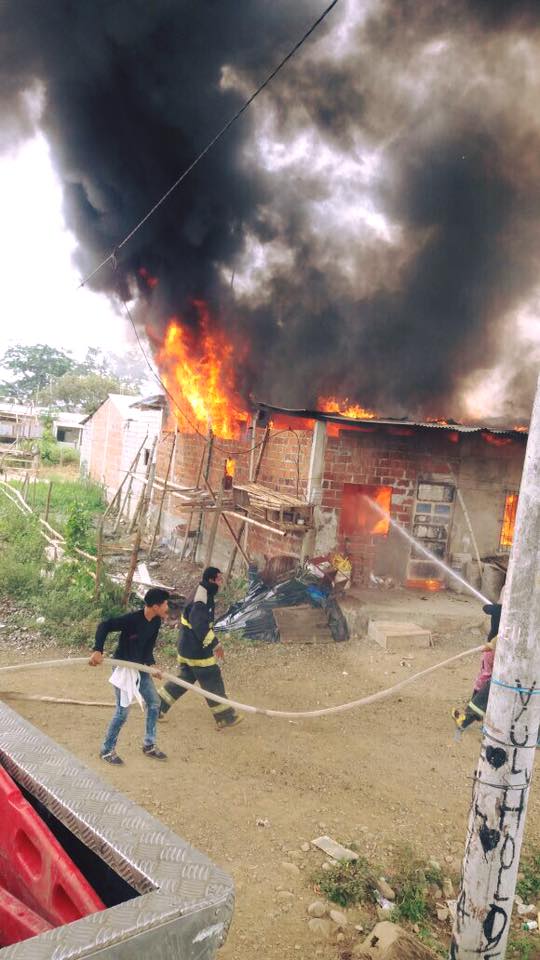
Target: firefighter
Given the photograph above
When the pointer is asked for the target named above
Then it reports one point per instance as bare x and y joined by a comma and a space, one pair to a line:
198, 652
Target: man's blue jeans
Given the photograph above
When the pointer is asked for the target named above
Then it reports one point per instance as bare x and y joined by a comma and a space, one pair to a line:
152, 700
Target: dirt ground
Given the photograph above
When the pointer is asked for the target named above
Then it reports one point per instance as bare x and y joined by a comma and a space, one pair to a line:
383, 776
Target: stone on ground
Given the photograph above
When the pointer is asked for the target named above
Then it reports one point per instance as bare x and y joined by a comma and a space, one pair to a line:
388, 941
398, 637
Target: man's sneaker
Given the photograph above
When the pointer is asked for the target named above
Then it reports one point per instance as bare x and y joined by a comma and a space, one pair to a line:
233, 722
163, 718
113, 758
152, 751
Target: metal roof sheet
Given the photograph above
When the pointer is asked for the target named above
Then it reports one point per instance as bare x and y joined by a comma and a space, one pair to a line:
389, 421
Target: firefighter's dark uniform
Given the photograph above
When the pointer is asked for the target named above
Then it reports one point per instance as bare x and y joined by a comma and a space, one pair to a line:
196, 660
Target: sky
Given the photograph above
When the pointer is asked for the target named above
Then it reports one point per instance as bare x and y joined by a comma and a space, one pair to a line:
41, 300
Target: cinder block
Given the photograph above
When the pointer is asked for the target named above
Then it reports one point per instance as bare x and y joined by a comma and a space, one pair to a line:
398, 637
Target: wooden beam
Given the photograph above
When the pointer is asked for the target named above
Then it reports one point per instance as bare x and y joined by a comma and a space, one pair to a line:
256, 523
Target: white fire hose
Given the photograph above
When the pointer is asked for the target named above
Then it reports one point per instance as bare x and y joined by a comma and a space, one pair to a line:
244, 707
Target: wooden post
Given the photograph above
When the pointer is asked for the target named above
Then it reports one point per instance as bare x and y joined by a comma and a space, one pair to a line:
198, 535
162, 501
253, 474
502, 780
191, 512
48, 504
142, 522
214, 527
229, 527
132, 468
99, 559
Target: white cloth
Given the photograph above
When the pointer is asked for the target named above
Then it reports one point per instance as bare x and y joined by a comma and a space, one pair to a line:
127, 681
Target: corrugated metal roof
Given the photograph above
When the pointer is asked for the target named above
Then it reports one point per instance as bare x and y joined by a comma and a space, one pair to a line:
389, 421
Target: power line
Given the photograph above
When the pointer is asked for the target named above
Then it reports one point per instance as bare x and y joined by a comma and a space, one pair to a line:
111, 257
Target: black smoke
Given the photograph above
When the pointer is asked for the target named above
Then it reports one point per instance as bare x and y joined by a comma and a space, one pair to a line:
441, 94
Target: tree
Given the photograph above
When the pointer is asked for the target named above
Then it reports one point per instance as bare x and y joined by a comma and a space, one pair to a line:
32, 369
86, 391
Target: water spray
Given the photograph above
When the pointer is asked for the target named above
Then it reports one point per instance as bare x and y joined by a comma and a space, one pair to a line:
427, 553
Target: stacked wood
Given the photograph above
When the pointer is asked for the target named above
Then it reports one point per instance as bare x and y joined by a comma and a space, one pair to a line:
286, 512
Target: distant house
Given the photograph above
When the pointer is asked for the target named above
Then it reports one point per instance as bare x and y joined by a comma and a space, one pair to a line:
68, 428
111, 437
19, 421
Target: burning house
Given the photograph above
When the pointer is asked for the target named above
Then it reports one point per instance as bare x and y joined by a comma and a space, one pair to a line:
315, 482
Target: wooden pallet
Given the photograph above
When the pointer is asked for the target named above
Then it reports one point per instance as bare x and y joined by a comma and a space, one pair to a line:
303, 624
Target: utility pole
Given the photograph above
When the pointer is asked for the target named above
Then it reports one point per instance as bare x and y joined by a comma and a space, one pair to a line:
503, 776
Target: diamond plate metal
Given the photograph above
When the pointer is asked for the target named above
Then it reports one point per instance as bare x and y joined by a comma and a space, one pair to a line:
186, 902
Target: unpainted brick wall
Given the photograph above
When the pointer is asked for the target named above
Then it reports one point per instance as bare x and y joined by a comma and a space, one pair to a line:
399, 457
284, 466
396, 456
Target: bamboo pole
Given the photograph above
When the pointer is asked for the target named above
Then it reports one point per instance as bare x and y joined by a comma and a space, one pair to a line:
229, 527
142, 520
214, 527
133, 466
190, 518
503, 776
99, 559
48, 504
198, 535
256, 523
164, 494
253, 475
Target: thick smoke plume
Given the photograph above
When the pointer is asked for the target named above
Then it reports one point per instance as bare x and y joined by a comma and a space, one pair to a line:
370, 228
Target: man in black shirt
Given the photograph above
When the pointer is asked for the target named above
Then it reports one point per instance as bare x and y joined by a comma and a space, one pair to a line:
138, 635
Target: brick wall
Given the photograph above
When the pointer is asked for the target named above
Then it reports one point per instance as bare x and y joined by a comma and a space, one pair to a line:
284, 466
398, 457
105, 452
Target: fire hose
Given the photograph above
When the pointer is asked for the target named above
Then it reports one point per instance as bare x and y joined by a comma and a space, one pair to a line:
247, 708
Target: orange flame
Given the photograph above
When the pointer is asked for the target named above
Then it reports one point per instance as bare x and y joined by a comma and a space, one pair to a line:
230, 467
433, 585
198, 368
345, 409
509, 520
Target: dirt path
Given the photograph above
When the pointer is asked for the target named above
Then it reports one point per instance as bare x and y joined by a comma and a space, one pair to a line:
382, 776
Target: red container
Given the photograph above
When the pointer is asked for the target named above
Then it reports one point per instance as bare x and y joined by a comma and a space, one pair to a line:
34, 868
17, 921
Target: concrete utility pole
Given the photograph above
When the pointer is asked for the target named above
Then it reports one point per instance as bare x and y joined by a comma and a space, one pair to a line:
503, 776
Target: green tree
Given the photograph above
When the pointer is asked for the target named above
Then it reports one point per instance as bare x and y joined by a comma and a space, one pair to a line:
32, 369
86, 391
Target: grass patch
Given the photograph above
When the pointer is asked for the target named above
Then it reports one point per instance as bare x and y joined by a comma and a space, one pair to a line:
411, 901
528, 886
62, 593
523, 948
347, 883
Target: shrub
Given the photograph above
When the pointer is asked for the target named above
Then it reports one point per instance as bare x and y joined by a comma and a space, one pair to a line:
78, 526
347, 883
